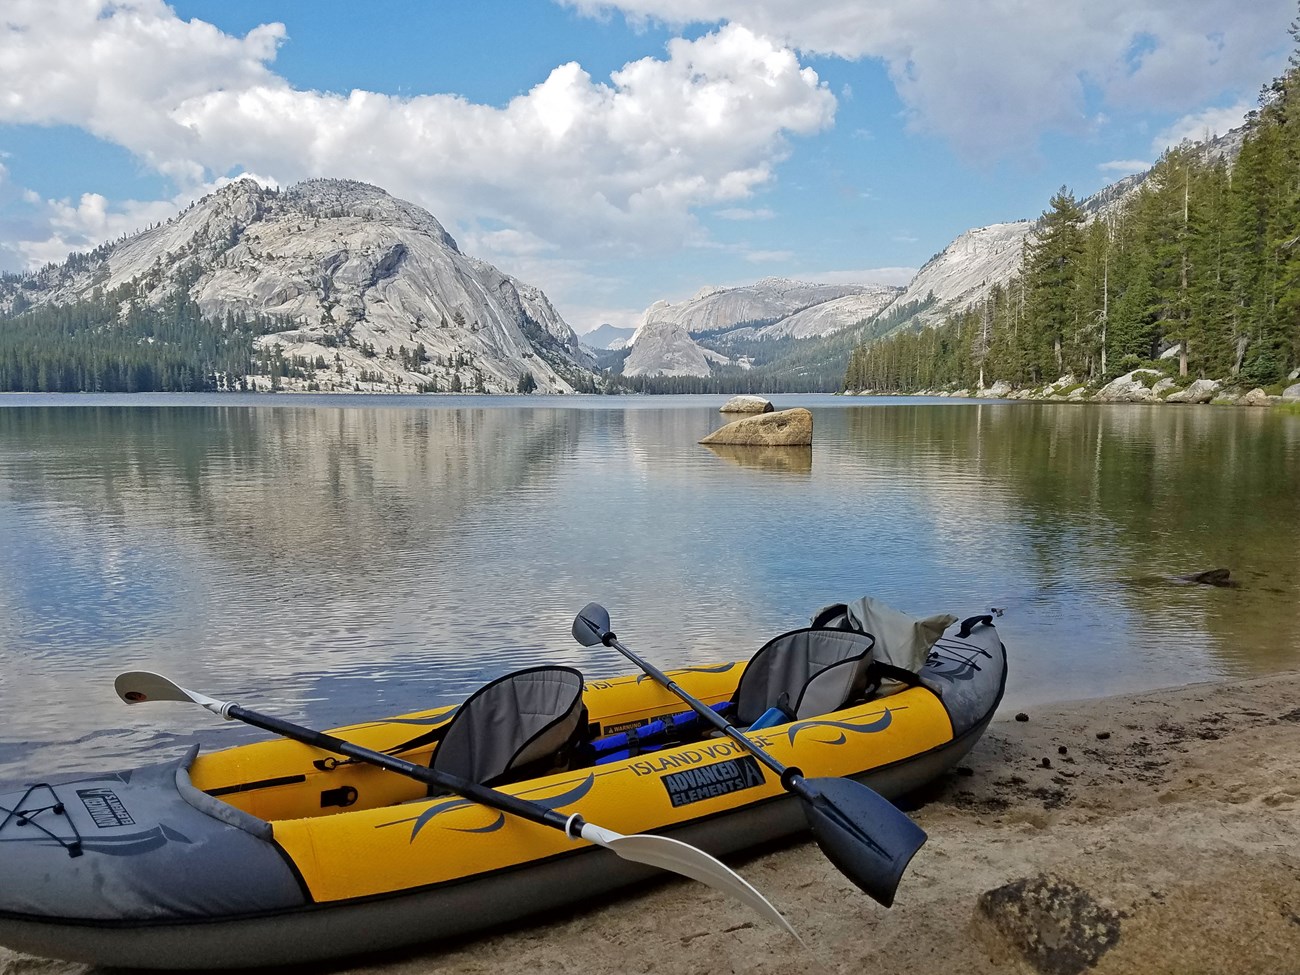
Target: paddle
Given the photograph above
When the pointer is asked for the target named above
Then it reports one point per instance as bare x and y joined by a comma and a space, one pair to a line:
137, 687
864, 835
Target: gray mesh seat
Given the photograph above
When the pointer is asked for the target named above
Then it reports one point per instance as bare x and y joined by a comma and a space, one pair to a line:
520, 724
804, 673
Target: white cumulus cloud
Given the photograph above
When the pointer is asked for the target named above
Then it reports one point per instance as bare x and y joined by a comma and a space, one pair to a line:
990, 74
745, 213
1200, 126
576, 163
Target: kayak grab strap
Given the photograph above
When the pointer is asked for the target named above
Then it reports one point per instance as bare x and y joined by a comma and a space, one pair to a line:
23, 817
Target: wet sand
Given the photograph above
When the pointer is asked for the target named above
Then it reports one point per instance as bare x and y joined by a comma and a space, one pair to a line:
1153, 833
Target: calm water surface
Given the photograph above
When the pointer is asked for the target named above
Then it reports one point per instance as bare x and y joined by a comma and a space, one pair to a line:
336, 558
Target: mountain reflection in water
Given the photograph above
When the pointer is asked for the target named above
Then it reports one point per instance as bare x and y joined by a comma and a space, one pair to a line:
336, 558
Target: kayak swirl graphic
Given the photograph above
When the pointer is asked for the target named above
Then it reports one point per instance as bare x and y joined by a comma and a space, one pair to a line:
874, 724
456, 802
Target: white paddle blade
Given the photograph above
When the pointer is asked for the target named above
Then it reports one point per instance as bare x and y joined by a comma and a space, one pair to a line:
689, 861
140, 686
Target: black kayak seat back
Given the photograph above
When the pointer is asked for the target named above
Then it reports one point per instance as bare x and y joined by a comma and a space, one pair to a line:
518, 724
805, 673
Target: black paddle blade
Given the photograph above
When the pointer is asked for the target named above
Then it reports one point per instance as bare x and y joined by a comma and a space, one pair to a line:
591, 625
867, 837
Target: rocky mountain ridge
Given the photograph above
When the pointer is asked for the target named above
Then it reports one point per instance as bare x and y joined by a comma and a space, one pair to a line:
963, 273
960, 275
368, 286
664, 348
764, 302
607, 336
688, 337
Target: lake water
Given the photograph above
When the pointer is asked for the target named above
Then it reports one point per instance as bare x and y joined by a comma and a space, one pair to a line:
335, 558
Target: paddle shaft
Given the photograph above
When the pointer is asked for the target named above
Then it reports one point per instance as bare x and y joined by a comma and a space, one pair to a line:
481, 794
867, 838
792, 779
789, 777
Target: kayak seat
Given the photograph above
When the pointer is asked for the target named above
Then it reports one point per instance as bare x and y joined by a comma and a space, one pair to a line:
801, 674
520, 725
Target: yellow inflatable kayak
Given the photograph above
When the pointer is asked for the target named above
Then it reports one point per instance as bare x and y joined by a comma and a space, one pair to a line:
278, 852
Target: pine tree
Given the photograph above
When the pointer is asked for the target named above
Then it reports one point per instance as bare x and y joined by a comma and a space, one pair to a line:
1051, 269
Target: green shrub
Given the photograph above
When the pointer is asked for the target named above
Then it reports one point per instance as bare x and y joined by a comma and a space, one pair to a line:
1149, 379
1264, 365
1129, 363
1168, 366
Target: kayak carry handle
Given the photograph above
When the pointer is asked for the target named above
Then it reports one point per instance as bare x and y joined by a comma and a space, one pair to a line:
971, 622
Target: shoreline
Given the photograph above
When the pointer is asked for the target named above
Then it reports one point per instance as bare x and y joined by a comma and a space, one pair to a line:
1139, 386
1170, 818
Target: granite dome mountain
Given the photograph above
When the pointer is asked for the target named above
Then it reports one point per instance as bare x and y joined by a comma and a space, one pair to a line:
735, 327
360, 289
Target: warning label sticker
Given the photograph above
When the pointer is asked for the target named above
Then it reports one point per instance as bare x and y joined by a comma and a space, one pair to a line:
105, 808
711, 781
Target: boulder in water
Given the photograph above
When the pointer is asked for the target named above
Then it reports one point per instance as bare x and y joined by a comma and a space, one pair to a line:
785, 428
746, 404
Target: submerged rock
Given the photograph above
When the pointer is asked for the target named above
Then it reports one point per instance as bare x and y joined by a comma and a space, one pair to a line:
1057, 926
746, 404
1221, 578
1210, 577
786, 428
783, 460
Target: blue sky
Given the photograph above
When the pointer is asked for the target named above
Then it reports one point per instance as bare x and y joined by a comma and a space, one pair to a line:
617, 153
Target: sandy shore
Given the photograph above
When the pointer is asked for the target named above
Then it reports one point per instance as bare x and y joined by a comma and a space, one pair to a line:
1160, 831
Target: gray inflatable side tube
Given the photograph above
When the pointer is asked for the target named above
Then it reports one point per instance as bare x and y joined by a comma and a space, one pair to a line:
215, 808
137, 846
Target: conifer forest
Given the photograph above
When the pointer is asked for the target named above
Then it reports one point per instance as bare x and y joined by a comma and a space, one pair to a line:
1197, 273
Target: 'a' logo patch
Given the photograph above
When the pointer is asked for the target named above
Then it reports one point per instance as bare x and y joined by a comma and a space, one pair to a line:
710, 781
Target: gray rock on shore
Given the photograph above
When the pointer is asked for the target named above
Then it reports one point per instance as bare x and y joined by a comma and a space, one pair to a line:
998, 390
785, 428
1201, 391
1130, 388
1291, 393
